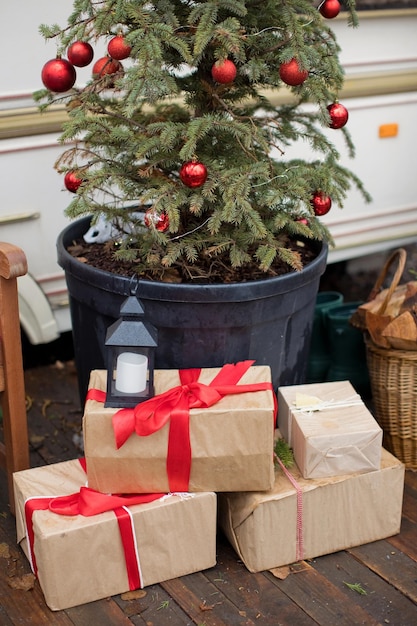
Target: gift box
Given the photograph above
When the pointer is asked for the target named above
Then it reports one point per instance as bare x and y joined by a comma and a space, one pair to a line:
329, 429
306, 518
80, 554
226, 446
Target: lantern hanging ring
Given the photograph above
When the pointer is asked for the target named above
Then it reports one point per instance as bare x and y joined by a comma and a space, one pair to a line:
133, 285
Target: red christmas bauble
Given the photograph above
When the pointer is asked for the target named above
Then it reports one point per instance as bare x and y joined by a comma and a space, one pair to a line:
330, 8
160, 221
339, 115
72, 181
321, 203
58, 75
224, 72
303, 220
291, 73
80, 53
193, 174
105, 66
118, 48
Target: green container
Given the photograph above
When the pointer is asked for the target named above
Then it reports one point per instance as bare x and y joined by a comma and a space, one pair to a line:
347, 349
319, 356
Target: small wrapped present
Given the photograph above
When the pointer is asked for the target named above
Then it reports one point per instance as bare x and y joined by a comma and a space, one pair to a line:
84, 545
225, 443
303, 518
329, 429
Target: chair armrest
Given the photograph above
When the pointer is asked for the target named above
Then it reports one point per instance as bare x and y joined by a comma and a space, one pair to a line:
13, 261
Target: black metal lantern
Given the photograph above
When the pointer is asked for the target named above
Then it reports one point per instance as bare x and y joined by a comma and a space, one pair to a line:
130, 346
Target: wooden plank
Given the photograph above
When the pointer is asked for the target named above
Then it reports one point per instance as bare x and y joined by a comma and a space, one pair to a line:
4, 618
153, 606
103, 612
203, 602
411, 479
323, 601
410, 504
53, 417
406, 540
254, 595
28, 607
382, 600
393, 566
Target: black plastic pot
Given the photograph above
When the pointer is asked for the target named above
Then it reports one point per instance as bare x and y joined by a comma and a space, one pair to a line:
268, 320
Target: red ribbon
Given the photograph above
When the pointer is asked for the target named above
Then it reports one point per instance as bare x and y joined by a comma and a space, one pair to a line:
174, 406
88, 502
32, 505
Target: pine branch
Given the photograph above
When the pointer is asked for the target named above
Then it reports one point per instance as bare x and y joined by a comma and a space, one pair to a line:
134, 130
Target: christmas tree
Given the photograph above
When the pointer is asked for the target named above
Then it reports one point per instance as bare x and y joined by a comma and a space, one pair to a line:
176, 138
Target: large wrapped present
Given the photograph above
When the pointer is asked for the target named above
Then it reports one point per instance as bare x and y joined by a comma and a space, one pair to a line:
84, 545
329, 429
225, 443
306, 518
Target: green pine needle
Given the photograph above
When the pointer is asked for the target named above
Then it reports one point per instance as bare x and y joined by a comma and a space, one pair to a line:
356, 587
284, 453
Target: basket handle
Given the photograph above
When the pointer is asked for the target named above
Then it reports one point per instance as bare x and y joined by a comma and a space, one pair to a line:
402, 257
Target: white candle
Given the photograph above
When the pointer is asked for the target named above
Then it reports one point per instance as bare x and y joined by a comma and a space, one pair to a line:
131, 372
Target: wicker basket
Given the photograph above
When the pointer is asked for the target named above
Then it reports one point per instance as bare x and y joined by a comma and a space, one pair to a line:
392, 371
393, 376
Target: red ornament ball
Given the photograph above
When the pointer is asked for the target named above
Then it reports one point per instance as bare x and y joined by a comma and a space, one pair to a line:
58, 75
80, 53
321, 203
72, 181
303, 220
224, 72
330, 8
339, 115
153, 219
105, 66
118, 48
193, 174
292, 74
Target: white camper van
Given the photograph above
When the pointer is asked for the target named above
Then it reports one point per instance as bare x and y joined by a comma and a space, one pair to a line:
380, 59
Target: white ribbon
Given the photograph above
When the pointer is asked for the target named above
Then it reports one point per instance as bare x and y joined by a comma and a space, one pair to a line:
183, 495
328, 404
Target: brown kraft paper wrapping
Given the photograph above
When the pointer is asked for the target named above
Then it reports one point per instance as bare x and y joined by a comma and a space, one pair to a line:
337, 513
81, 559
231, 442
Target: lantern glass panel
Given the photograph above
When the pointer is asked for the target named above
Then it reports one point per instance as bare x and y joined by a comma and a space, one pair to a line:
130, 376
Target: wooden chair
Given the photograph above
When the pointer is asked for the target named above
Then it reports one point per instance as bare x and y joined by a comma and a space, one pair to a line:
14, 452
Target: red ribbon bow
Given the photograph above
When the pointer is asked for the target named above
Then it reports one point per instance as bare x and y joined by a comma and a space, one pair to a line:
88, 502
173, 406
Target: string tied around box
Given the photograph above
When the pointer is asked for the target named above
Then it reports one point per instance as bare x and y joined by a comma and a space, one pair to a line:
316, 404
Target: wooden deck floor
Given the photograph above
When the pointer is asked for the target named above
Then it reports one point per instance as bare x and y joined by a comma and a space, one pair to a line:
315, 592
